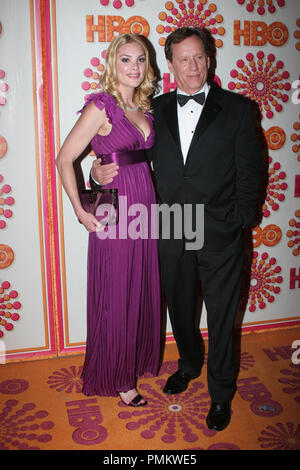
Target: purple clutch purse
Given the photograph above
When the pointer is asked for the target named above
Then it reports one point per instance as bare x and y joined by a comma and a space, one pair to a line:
102, 203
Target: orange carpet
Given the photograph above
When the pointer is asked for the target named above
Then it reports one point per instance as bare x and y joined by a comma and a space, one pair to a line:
42, 407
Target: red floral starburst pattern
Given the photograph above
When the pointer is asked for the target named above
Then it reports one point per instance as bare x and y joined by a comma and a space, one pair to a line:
67, 380
92, 74
281, 437
199, 13
8, 307
117, 3
181, 416
3, 88
5, 200
265, 277
276, 188
262, 81
21, 427
262, 5
297, 35
295, 139
294, 234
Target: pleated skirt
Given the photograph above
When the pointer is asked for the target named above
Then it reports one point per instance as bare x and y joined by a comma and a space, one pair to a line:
123, 292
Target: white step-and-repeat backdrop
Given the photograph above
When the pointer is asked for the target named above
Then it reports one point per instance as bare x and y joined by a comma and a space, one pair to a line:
51, 55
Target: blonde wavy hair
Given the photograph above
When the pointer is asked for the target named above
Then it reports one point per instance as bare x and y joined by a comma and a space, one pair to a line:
109, 81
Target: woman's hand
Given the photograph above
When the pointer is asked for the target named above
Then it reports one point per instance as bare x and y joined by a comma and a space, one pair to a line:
89, 221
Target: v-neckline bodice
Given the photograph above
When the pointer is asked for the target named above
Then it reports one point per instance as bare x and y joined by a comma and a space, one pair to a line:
138, 129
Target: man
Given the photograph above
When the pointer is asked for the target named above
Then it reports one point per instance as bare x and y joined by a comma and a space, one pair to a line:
206, 152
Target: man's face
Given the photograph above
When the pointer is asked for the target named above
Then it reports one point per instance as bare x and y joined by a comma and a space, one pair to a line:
189, 64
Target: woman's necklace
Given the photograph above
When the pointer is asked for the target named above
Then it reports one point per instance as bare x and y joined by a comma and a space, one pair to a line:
132, 109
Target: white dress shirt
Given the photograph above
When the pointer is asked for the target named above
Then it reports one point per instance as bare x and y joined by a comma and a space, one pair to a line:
188, 116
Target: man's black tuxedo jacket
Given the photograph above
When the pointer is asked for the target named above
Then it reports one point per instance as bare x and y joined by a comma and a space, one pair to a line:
222, 169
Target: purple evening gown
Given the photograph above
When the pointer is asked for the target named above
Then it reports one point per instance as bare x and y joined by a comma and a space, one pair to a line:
123, 288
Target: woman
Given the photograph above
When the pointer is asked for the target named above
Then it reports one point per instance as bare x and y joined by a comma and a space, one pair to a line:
123, 291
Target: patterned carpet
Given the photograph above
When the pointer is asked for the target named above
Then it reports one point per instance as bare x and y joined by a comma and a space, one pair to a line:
41, 405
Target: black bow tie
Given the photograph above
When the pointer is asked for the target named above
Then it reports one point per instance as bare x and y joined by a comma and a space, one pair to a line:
183, 99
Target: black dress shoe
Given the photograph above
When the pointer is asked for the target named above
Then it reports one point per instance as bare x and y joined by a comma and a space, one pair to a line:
219, 416
178, 382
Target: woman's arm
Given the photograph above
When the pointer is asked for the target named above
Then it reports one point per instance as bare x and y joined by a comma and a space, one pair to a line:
87, 126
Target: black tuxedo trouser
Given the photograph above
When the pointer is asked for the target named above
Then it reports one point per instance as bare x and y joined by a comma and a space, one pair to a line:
220, 273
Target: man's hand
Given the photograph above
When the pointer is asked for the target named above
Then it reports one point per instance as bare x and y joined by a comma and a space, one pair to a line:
104, 174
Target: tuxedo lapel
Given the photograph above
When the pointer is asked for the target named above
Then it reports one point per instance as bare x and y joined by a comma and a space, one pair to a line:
171, 118
210, 112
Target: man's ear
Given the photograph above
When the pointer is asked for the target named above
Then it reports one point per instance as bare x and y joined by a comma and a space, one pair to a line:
170, 66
